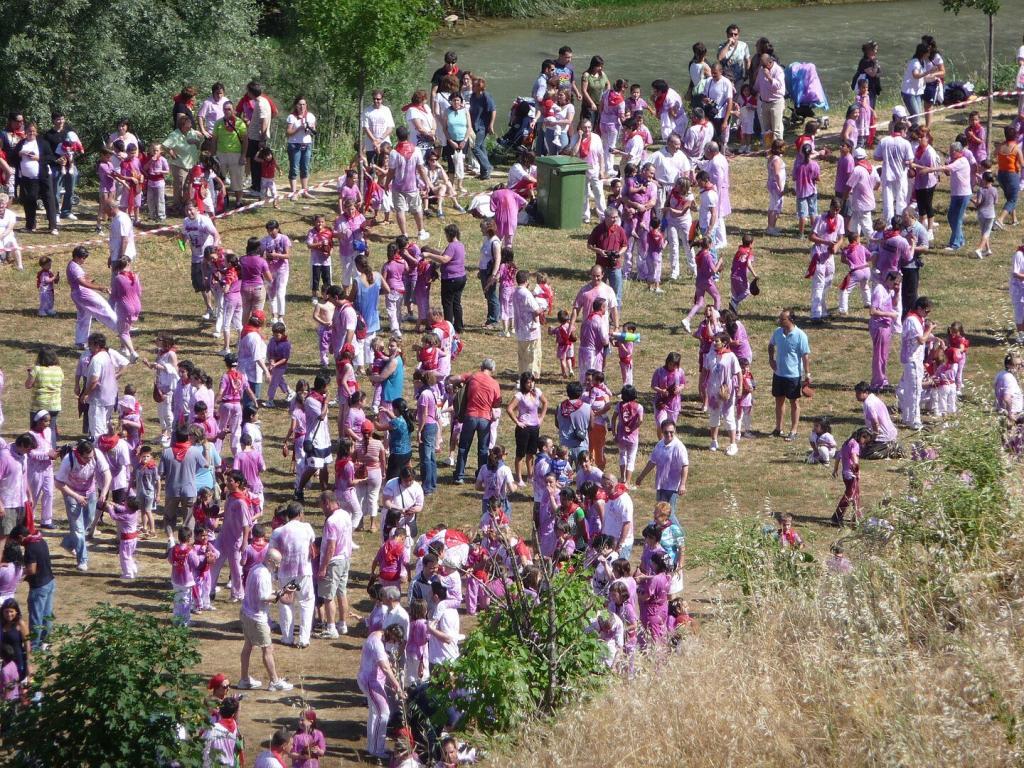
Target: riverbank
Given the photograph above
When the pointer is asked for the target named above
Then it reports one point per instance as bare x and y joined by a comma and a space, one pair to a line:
608, 14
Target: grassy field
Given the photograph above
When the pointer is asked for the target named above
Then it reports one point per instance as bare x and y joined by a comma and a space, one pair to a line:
767, 472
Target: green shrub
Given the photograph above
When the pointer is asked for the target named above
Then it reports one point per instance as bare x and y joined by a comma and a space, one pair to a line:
504, 675
746, 553
116, 692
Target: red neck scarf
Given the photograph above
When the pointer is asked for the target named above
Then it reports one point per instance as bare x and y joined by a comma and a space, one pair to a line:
247, 329
659, 102
584, 148
179, 559
180, 449
108, 442
569, 407
630, 413
405, 149
618, 491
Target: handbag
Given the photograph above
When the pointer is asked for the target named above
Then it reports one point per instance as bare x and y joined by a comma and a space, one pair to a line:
807, 390
158, 396
755, 287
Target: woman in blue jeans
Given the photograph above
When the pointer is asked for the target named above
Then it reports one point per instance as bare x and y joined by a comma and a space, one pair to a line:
300, 129
428, 407
83, 478
959, 170
1009, 162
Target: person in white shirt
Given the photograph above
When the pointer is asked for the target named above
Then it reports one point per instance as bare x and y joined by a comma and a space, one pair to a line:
720, 92
300, 129
294, 540
896, 155
527, 310
618, 515
589, 147
8, 242
378, 123
917, 330
1008, 395
122, 233
670, 162
211, 111
280, 745
443, 633
259, 594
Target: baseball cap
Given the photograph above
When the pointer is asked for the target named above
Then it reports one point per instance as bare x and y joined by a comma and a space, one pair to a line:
859, 154
217, 681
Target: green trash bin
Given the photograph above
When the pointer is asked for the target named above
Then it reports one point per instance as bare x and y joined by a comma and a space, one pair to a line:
561, 190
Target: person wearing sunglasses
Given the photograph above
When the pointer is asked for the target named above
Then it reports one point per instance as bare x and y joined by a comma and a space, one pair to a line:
734, 55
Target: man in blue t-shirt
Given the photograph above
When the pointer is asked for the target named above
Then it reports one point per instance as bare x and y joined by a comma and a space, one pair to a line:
566, 74
789, 356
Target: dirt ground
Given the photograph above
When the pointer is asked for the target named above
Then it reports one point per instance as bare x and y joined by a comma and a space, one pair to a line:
767, 472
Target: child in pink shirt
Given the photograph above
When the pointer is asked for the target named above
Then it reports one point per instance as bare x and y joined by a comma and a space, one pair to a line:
202, 572
126, 516
565, 340
46, 281
256, 551
184, 561
625, 349
507, 272
394, 272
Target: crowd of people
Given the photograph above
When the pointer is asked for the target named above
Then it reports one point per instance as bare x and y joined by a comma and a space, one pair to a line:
205, 470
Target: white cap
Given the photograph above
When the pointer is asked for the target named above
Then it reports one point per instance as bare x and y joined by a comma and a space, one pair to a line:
900, 111
859, 154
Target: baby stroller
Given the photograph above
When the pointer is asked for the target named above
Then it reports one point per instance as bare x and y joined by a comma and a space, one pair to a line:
804, 90
522, 120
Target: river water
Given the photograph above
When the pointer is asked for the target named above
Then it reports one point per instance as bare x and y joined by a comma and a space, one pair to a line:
828, 35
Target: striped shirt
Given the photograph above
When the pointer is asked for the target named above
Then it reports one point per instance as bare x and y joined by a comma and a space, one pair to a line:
46, 391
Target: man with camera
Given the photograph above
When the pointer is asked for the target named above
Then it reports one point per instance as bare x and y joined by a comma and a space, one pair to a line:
259, 594
294, 540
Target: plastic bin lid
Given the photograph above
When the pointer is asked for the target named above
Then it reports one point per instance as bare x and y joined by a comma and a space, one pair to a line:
562, 162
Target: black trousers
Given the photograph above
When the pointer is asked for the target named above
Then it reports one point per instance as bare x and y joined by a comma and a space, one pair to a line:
255, 166
908, 289
451, 300
32, 190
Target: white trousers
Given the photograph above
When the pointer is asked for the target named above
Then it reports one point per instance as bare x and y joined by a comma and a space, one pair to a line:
894, 198
908, 393
305, 602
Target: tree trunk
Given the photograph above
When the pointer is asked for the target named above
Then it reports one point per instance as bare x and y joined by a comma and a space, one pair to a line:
991, 53
359, 128
552, 683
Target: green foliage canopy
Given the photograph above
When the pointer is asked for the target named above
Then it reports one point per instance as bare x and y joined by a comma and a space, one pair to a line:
116, 693
99, 60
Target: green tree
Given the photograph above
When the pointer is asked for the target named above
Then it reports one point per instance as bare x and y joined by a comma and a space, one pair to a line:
367, 43
990, 8
526, 657
116, 693
99, 60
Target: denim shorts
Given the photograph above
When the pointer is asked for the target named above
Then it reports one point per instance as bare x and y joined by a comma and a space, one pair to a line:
807, 207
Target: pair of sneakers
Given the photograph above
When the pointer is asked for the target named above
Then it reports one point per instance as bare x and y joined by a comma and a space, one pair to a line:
334, 631
732, 450
251, 683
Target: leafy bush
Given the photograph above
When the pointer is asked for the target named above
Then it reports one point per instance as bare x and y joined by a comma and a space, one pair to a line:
99, 61
746, 553
504, 674
115, 693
